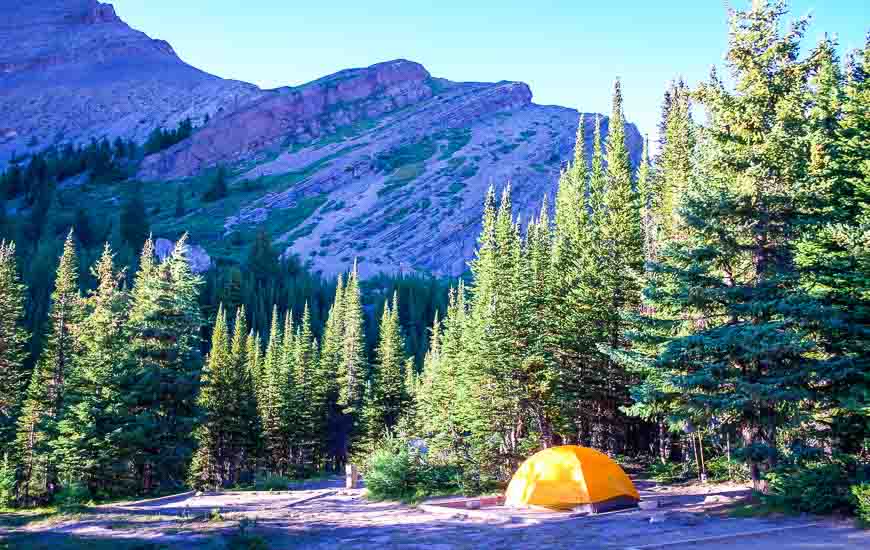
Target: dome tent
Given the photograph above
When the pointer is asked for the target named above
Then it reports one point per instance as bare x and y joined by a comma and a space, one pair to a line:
570, 477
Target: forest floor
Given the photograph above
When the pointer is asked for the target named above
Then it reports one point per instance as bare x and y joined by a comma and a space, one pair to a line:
325, 515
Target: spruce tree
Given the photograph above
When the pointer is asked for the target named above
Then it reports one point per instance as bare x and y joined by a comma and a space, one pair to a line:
833, 255
13, 341
87, 448
674, 170
387, 397
245, 428
307, 382
272, 402
211, 461
328, 366
37, 425
162, 380
747, 358
352, 369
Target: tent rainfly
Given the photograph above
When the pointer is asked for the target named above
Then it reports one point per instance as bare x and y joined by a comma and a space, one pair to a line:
571, 477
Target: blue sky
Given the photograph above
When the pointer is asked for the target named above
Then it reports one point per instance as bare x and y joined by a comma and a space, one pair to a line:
568, 51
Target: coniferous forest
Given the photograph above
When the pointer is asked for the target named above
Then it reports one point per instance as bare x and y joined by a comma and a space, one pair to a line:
707, 310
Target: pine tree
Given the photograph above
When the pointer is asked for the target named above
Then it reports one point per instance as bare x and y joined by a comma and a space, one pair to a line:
37, 426
87, 448
647, 194
730, 273
13, 341
353, 369
211, 461
571, 210
162, 380
387, 397
674, 173
833, 256
308, 391
245, 428
328, 366
272, 402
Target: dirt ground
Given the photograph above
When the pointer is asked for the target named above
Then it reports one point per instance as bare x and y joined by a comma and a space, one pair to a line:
324, 515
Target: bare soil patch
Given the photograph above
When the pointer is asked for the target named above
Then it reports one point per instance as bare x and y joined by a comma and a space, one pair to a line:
325, 515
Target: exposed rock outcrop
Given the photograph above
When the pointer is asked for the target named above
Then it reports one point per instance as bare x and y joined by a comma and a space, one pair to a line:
196, 256
296, 115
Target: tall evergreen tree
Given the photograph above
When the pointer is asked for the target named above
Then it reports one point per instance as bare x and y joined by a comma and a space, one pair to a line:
37, 426
87, 447
353, 369
328, 367
212, 459
272, 402
833, 255
13, 341
387, 398
162, 380
308, 389
731, 272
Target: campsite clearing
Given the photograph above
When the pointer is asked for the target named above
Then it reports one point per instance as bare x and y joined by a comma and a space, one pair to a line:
325, 515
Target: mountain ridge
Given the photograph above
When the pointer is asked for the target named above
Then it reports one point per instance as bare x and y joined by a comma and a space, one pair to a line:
384, 164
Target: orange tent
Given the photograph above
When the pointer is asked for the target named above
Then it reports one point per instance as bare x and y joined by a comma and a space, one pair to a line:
570, 477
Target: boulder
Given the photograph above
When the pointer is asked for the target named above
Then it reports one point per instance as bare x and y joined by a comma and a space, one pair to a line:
197, 257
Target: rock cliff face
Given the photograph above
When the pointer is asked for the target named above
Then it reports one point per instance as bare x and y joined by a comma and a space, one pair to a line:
385, 164
71, 70
296, 115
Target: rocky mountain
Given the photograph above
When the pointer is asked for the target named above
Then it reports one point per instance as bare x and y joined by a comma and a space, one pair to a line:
71, 70
386, 164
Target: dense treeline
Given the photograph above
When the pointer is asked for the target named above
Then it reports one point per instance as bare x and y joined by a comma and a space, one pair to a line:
121, 400
161, 138
716, 296
720, 290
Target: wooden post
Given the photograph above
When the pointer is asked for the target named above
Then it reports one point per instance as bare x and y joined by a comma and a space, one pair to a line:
703, 470
728, 450
352, 477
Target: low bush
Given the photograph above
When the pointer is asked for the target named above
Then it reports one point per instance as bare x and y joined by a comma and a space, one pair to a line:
861, 495
72, 495
722, 469
670, 472
819, 487
271, 483
7, 484
396, 470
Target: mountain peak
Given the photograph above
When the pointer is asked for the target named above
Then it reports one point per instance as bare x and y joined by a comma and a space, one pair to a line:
93, 12
72, 70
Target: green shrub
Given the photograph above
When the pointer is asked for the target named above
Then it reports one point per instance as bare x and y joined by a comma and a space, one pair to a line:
391, 474
721, 469
669, 472
397, 471
820, 487
271, 483
72, 495
7, 484
861, 495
